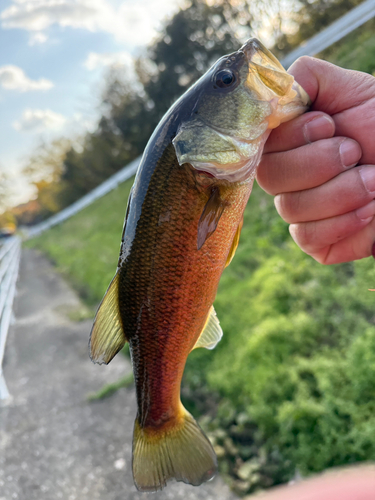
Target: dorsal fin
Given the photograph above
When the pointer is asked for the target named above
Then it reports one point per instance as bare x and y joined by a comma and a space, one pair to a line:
235, 242
107, 337
211, 333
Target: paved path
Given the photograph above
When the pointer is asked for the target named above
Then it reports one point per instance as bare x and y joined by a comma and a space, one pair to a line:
53, 442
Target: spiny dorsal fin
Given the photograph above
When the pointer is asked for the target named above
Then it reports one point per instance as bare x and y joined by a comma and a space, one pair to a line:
107, 337
211, 333
235, 242
209, 219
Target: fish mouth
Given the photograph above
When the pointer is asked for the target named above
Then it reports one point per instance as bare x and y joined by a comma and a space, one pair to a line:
257, 53
269, 80
262, 94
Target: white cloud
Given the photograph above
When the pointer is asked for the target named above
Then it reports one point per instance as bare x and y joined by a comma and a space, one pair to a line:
131, 22
95, 60
37, 15
37, 120
37, 38
14, 78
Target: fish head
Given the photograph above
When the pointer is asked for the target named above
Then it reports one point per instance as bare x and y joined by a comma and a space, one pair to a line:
235, 105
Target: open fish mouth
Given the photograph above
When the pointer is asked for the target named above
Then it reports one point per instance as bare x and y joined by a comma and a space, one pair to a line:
238, 102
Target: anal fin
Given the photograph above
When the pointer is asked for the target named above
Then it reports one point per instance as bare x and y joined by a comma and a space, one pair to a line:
107, 337
211, 333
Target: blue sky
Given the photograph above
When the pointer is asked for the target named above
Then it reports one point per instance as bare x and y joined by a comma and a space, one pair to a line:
53, 55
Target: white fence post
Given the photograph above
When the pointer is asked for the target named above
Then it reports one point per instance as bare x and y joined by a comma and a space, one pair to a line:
10, 254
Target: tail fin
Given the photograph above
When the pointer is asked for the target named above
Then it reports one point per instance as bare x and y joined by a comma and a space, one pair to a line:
183, 453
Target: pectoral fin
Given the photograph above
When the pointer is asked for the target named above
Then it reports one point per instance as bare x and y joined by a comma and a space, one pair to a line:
107, 337
211, 333
210, 217
235, 242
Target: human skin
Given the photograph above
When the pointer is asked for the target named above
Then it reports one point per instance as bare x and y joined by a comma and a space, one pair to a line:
357, 483
321, 166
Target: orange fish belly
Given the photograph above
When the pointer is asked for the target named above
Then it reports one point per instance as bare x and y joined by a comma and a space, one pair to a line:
167, 285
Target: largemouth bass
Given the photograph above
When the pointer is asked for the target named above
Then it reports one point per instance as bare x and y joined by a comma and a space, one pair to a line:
181, 230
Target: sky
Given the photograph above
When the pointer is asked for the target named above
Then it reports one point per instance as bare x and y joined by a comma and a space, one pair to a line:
53, 56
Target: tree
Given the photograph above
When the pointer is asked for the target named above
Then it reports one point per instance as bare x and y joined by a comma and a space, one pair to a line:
4, 191
195, 37
44, 169
102, 154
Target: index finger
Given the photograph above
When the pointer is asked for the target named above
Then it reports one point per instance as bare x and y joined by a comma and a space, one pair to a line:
302, 130
332, 89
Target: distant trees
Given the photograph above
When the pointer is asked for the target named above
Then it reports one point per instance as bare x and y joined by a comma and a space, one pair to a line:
5, 215
4, 191
135, 99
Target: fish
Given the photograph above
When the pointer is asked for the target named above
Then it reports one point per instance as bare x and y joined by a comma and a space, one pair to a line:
182, 227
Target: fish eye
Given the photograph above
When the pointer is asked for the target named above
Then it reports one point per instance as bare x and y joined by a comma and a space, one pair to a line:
224, 78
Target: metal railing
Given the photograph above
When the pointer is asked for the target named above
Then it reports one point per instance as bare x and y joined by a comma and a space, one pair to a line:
333, 33
104, 188
10, 253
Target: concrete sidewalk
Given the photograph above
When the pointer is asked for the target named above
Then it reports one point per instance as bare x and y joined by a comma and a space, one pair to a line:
53, 442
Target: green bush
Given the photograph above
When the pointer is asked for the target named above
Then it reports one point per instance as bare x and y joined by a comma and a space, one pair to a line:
297, 357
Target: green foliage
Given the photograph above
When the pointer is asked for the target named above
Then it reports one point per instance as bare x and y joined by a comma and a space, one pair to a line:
297, 357
196, 36
102, 155
110, 389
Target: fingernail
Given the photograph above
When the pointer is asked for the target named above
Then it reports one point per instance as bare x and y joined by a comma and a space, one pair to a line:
318, 128
368, 177
367, 212
350, 153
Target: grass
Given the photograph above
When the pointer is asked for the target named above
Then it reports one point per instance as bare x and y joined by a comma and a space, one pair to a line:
355, 51
110, 389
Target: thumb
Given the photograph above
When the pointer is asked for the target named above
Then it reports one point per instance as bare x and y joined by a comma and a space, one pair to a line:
332, 89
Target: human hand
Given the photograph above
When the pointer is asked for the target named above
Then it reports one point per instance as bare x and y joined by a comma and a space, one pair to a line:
356, 483
310, 164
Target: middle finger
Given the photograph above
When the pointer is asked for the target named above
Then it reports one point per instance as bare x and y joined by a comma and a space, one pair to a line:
307, 166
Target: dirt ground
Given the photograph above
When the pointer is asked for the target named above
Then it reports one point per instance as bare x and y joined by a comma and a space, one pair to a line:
54, 443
